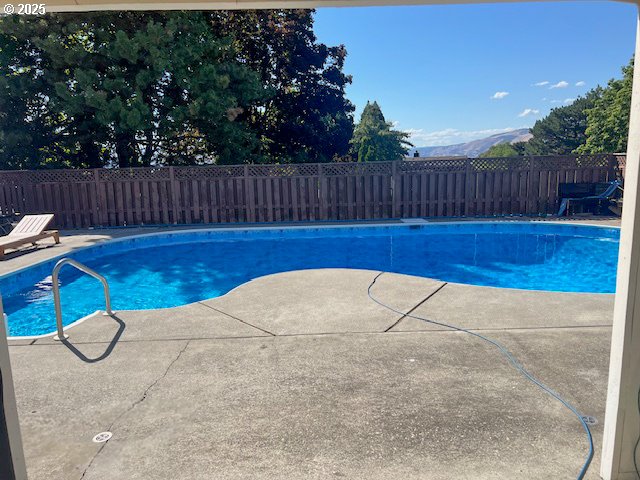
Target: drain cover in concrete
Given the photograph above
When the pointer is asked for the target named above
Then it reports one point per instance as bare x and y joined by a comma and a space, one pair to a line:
102, 437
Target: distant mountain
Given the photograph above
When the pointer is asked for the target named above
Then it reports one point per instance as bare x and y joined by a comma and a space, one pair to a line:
475, 147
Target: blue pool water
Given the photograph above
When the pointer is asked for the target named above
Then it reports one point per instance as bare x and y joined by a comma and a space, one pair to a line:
170, 269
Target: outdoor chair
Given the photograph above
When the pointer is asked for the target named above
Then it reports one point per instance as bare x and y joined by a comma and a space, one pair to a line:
29, 230
590, 195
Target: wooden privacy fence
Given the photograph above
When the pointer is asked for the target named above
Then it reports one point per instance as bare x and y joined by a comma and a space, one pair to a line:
298, 192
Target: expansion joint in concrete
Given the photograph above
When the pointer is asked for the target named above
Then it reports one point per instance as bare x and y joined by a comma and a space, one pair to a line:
238, 319
422, 302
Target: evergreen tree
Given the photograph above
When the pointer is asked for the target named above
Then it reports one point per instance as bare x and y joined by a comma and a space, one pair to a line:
564, 130
608, 117
27, 127
374, 140
127, 88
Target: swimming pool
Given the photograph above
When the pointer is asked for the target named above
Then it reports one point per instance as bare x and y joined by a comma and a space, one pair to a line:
180, 267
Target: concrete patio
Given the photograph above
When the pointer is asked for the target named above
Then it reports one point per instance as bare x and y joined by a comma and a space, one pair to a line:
300, 375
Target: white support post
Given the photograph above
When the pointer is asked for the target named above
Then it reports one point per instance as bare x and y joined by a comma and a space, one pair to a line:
622, 422
15, 468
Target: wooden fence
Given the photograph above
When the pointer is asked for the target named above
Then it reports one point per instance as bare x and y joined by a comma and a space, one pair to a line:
299, 192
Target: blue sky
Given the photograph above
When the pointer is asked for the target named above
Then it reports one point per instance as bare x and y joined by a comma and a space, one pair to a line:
435, 69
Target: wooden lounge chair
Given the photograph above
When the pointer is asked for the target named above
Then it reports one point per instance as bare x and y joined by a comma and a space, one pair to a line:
28, 230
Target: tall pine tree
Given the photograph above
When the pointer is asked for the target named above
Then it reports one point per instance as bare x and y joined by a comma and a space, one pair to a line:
374, 140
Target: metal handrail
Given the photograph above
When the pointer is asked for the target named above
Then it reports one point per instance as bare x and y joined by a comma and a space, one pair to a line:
56, 291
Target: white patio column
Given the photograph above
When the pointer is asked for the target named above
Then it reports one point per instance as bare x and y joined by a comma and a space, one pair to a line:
12, 465
622, 422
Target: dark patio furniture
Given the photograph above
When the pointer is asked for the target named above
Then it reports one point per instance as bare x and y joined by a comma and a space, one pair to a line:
596, 198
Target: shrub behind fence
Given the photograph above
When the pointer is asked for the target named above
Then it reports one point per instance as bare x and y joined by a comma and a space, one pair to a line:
300, 192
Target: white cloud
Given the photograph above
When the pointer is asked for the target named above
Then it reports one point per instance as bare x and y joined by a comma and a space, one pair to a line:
541, 84
560, 84
450, 136
499, 95
580, 83
528, 111
565, 101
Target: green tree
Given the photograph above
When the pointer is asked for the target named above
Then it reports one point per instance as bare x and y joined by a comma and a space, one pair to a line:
27, 134
307, 118
564, 129
374, 140
126, 88
608, 117
505, 149
135, 89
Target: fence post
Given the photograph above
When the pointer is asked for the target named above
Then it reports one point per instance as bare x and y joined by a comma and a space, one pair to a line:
98, 201
532, 196
396, 189
620, 164
323, 194
249, 196
174, 194
28, 196
613, 168
467, 187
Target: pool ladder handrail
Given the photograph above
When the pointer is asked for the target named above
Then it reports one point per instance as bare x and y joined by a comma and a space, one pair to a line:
56, 291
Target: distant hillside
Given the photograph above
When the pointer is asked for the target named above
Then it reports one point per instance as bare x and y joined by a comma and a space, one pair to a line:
476, 147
